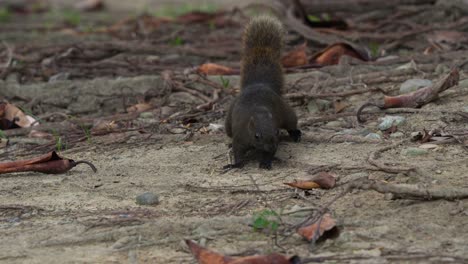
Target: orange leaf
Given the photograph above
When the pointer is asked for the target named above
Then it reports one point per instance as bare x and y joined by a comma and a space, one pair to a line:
214, 69
304, 185
322, 180
140, 107
206, 256
331, 55
296, 57
314, 231
339, 105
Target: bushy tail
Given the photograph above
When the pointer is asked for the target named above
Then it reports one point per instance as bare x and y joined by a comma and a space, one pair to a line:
261, 60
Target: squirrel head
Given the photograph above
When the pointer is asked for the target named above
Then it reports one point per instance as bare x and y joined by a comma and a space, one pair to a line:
263, 134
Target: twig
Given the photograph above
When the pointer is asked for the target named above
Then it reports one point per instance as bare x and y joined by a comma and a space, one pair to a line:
411, 191
392, 169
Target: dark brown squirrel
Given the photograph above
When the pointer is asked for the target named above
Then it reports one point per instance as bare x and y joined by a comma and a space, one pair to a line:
256, 115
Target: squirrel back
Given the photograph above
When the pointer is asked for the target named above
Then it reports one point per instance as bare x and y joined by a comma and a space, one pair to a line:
261, 59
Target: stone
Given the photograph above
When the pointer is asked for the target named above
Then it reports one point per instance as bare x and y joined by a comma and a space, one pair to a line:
389, 121
373, 136
397, 135
414, 152
147, 198
334, 124
412, 85
146, 115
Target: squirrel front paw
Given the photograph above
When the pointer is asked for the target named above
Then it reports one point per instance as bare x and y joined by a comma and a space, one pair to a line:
295, 134
233, 166
265, 164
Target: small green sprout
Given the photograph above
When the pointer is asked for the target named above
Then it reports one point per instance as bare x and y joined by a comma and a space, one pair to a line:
224, 81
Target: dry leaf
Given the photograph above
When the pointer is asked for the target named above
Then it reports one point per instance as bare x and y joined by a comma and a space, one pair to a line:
303, 185
11, 116
322, 180
104, 126
198, 17
206, 256
296, 57
50, 163
214, 69
316, 230
140, 107
90, 5
331, 55
339, 105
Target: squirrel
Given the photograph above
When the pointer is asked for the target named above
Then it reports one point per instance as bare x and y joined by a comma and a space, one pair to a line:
254, 118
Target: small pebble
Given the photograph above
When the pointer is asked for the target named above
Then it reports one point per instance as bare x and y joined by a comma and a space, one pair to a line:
397, 135
146, 115
147, 198
334, 124
463, 83
389, 121
465, 109
414, 152
438, 171
412, 85
215, 127
373, 136
428, 146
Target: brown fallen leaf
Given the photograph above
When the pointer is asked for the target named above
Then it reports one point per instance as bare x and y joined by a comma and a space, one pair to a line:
214, 69
12, 117
331, 55
339, 105
90, 5
322, 180
296, 57
417, 98
140, 107
206, 256
447, 40
50, 163
314, 231
199, 17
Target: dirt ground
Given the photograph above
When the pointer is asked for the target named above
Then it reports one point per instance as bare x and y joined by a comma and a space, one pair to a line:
86, 217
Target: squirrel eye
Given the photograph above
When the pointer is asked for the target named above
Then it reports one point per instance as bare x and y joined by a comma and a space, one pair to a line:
257, 135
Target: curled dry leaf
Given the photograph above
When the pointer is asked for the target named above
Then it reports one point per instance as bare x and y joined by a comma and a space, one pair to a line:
322, 180
105, 126
206, 256
314, 231
12, 117
140, 107
331, 55
50, 163
214, 69
296, 57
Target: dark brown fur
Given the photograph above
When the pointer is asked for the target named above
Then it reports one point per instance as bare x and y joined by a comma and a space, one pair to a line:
256, 115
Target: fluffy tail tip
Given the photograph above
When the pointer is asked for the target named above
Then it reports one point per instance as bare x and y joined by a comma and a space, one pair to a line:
263, 32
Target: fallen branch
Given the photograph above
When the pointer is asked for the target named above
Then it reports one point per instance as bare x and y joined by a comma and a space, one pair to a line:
411, 191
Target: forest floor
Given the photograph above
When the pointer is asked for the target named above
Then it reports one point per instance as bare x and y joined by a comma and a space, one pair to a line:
79, 72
